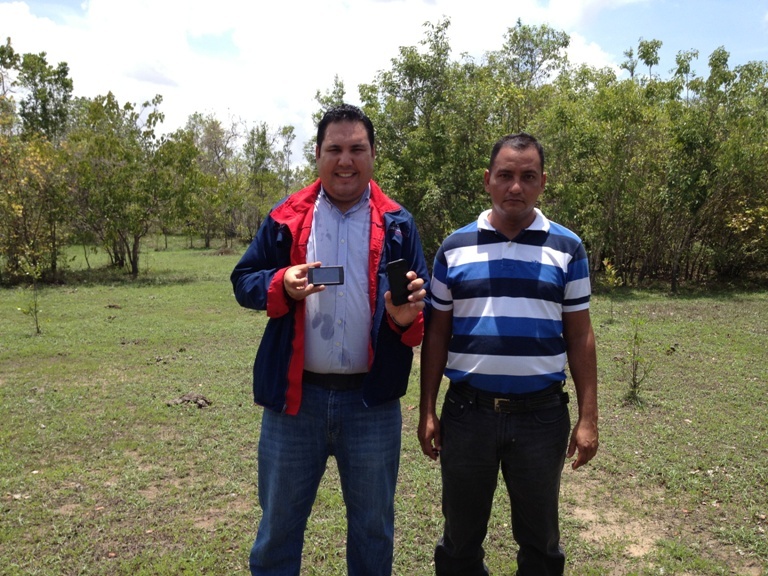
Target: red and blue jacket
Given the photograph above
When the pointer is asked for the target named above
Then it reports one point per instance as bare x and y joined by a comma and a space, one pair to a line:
281, 242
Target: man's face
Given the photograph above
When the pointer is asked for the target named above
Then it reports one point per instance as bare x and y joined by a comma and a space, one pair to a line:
345, 162
514, 183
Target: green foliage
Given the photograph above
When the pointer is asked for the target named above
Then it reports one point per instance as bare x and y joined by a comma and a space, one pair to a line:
429, 113
239, 180
48, 90
267, 177
31, 203
117, 180
648, 53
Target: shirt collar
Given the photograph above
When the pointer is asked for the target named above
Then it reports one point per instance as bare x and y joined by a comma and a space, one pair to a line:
540, 222
360, 203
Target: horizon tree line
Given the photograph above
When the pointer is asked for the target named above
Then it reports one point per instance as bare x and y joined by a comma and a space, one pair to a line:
665, 178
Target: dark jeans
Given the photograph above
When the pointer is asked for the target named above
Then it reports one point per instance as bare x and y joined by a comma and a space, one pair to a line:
530, 448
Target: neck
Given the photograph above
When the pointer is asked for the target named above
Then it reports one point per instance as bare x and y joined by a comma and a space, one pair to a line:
508, 227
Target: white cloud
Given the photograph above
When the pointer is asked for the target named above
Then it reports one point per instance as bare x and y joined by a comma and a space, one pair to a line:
275, 55
581, 50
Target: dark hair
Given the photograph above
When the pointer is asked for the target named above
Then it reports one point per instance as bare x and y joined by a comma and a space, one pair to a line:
344, 113
520, 141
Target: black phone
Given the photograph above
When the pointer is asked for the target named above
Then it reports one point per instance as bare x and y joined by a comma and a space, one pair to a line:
398, 282
326, 275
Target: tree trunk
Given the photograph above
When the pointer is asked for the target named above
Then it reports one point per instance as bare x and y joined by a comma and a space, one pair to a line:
134, 255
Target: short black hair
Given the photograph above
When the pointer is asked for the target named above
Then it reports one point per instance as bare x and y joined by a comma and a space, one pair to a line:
344, 113
520, 141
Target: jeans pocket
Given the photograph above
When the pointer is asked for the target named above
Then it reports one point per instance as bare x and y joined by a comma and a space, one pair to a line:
550, 416
455, 406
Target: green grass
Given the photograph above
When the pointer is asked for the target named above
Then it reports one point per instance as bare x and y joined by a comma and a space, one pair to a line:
98, 475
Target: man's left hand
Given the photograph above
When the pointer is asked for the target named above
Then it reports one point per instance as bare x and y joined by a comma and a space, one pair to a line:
584, 439
405, 314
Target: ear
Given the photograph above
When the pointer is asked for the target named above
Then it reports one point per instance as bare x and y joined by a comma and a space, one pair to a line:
317, 153
543, 179
487, 178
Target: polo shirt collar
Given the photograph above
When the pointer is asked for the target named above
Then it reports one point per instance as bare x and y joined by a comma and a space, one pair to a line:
540, 222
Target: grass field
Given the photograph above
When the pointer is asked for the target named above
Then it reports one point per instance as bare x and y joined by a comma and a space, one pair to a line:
100, 475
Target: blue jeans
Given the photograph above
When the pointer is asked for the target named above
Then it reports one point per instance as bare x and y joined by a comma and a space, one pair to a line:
530, 448
293, 452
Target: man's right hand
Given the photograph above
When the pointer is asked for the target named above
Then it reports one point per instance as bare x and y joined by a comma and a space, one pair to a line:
295, 281
429, 435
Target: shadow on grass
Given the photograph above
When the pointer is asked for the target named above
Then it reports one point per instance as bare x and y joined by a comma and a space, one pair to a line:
113, 276
730, 289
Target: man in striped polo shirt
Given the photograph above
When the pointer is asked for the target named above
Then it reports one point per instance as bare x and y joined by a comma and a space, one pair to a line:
510, 306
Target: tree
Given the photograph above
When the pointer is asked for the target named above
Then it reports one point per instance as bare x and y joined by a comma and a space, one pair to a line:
410, 105
531, 57
43, 109
738, 200
264, 183
437, 119
31, 170
682, 72
220, 180
283, 158
174, 177
9, 62
630, 64
114, 177
648, 53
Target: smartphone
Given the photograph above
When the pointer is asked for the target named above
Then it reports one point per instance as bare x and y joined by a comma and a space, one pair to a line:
398, 283
326, 275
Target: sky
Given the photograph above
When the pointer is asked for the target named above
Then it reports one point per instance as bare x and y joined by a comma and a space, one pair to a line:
264, 60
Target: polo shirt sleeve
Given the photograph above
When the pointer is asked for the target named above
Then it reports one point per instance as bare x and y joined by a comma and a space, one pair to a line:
440, 292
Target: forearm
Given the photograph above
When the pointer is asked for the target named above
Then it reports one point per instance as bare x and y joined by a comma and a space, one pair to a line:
582, 361
434, 356
431, 376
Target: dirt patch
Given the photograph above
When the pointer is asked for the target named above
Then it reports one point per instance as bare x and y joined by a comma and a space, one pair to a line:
214, 517
625, 529
69, 509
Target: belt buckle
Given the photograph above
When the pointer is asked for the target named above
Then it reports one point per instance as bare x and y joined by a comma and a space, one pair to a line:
502, 405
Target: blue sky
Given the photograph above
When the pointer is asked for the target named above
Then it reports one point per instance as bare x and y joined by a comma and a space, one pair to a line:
263, 61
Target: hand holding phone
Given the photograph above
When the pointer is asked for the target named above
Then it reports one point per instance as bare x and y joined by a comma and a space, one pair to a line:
398, 281
326, 275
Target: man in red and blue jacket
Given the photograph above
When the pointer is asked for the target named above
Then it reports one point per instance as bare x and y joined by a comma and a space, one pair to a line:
333, 361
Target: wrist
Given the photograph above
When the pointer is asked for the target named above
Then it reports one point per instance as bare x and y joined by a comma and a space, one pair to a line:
396, 323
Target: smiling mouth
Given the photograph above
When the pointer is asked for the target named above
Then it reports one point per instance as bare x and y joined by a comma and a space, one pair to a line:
345, 174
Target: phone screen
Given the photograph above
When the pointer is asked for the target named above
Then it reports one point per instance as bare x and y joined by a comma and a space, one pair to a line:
326, 275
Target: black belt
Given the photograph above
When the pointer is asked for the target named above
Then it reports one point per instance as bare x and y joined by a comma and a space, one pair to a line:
338, 382
513, 403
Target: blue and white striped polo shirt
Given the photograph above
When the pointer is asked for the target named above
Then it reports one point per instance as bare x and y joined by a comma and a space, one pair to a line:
508, 298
